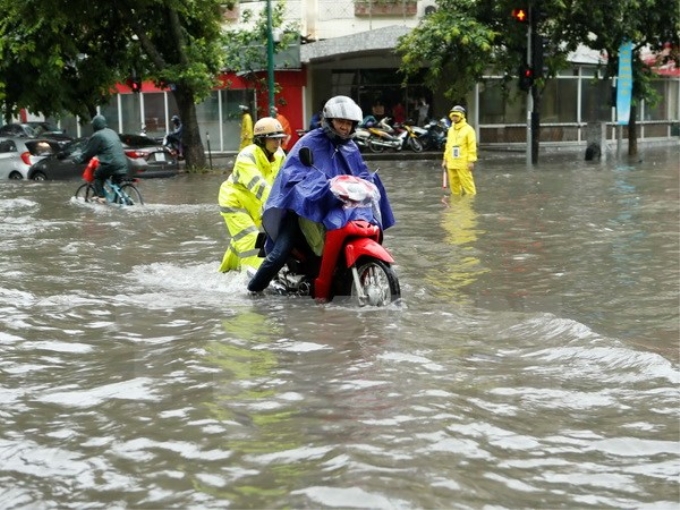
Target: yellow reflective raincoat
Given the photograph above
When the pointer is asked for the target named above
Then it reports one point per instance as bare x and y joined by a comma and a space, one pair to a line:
246, 131
241, 199
460, 155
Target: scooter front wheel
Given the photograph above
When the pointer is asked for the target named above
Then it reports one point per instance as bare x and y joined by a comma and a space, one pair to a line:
378, 284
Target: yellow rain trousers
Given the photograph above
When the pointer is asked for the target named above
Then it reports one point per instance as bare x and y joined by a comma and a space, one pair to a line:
460, 150
241, 199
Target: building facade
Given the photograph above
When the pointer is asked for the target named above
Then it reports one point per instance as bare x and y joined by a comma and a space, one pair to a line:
349, 49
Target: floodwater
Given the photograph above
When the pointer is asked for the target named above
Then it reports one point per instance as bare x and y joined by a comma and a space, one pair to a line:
533, 361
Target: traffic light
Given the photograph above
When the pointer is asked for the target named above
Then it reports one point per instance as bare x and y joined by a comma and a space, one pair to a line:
520, 15
135, 84
526, 77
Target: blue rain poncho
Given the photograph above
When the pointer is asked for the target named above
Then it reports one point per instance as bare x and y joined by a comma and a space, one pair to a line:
306, 190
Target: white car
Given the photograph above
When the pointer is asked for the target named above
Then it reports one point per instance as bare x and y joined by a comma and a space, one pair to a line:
18, 154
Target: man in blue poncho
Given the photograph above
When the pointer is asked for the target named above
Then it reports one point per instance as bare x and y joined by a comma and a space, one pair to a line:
300, 192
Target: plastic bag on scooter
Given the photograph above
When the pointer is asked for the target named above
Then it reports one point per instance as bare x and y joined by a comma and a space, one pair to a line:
356, 192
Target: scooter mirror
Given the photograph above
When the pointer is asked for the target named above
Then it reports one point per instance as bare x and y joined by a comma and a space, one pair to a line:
306, 157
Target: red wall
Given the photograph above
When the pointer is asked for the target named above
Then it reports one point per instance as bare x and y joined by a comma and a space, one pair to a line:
289, 101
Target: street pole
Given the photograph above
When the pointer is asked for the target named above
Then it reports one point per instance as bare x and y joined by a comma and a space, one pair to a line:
530, 97
270, 59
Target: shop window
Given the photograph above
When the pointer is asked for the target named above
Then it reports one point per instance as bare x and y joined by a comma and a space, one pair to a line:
656, 110
207, 114
154, 114
596, 100
559, 102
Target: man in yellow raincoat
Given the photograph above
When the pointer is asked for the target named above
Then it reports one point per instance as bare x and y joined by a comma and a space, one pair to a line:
460, 154
246, 126
244, 193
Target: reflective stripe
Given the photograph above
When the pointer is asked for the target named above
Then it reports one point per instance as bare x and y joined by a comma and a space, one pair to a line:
257, 185
233, 210
243, 254
247, 155
245, 232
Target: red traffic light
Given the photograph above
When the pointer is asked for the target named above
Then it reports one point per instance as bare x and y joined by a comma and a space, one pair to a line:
526, 77
520, 15
135, 84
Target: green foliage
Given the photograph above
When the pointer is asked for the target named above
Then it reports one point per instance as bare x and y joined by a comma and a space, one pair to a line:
69, 55
467, 39
66, 55
454, 44
649, 24
245, 48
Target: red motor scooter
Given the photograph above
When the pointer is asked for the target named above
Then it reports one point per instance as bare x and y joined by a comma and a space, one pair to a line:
353, 262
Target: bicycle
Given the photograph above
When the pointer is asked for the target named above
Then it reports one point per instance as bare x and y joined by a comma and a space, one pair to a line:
116, 191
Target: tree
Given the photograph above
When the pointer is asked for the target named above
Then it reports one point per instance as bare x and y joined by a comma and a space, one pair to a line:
464, 40
649, 24
66, 55
456, 45
245, 48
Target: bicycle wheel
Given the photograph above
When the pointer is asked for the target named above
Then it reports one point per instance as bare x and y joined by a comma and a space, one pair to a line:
85, 192
131, 194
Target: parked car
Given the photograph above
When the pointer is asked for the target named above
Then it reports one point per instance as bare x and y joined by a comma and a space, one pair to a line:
161, 160
17, 155
146, 159
35, 129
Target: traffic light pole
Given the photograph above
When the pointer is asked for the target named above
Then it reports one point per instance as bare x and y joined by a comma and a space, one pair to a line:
530, 97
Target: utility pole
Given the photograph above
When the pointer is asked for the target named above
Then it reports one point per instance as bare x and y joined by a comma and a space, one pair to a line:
270, 60
536, 51
525, 73
530, 92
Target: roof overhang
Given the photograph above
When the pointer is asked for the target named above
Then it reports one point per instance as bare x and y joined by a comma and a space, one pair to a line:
362, 43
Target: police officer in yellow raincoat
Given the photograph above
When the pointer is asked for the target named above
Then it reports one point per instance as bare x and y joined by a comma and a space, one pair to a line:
246, 127
244, 193
460, 154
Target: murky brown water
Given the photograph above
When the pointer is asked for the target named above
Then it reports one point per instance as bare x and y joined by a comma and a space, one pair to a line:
532, 363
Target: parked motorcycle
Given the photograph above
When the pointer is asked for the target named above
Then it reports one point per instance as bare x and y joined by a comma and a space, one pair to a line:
361, 136
409, 136
434, 137
383, 136
353, 263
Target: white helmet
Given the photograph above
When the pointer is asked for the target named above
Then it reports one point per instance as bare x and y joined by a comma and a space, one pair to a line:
268, 127
341, 107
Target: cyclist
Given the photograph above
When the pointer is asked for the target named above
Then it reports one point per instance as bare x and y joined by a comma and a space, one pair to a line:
106, 145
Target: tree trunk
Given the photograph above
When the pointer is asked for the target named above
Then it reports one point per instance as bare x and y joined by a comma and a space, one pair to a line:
632, 131
194, 154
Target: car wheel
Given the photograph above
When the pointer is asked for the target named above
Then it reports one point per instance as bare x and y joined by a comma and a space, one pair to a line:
39, 176
16, 176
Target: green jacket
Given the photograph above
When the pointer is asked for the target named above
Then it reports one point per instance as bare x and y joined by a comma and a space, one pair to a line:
106, 145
